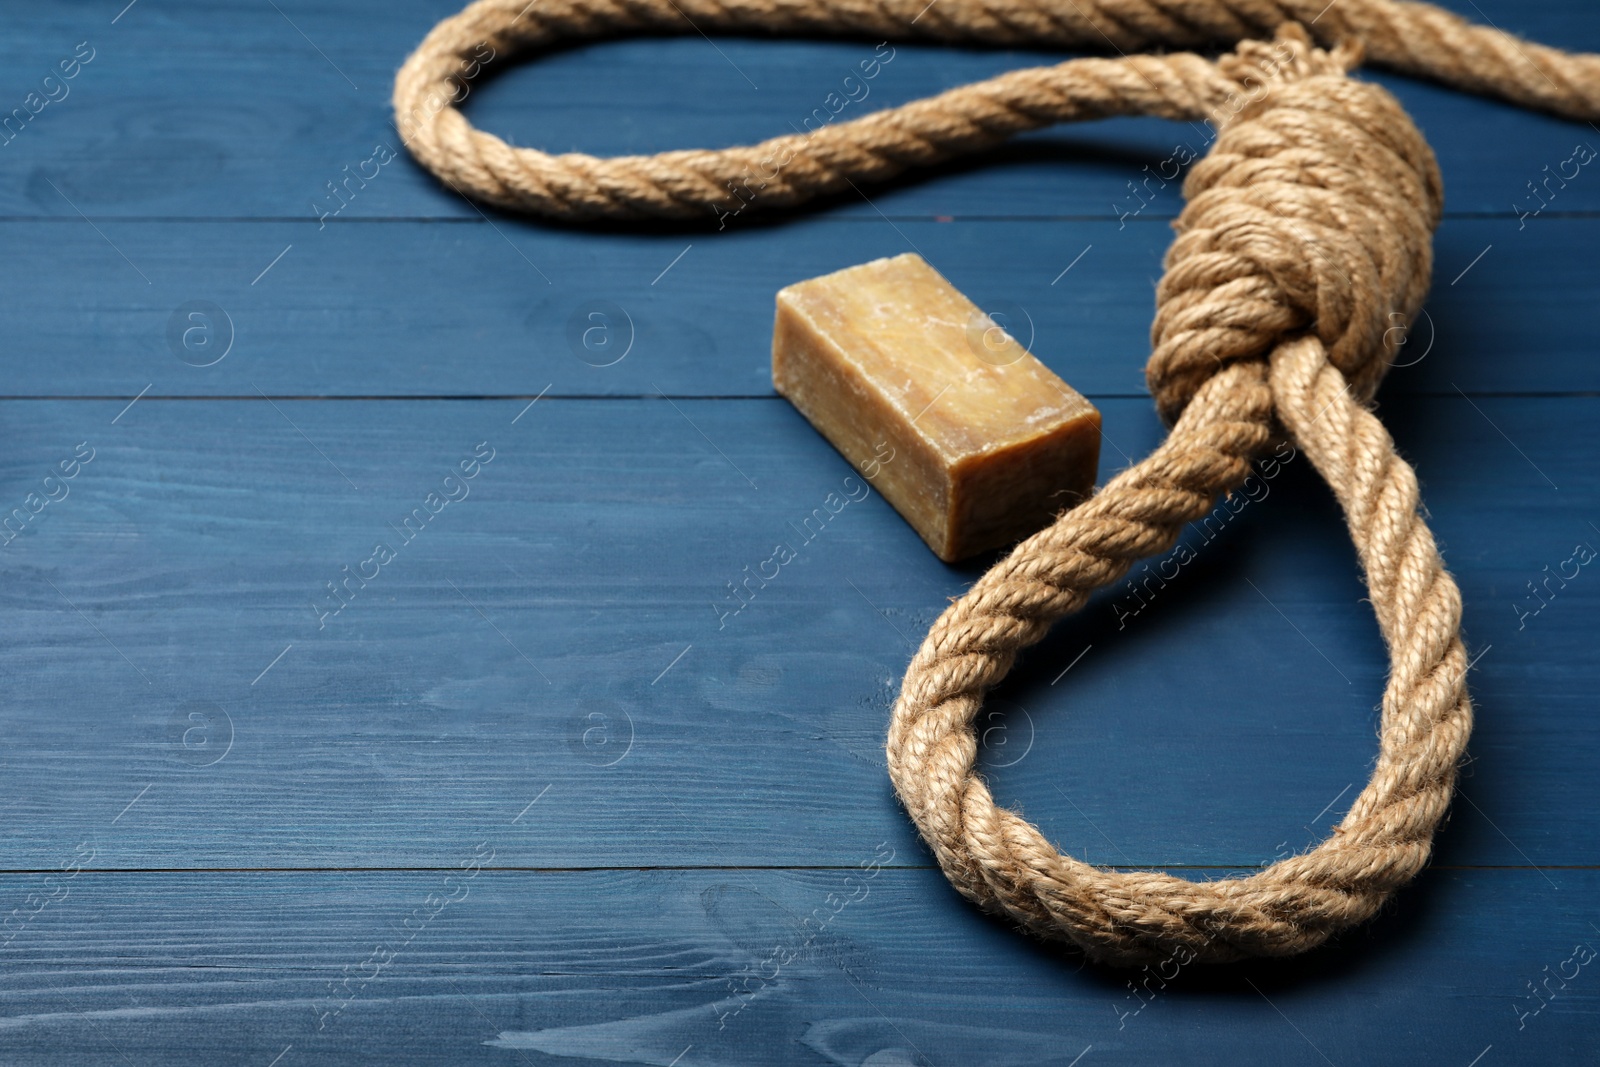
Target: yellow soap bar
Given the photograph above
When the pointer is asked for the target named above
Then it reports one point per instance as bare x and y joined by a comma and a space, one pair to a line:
973, 440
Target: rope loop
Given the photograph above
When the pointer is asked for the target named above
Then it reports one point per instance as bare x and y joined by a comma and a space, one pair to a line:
1414, 38
1306, 231
1307, 227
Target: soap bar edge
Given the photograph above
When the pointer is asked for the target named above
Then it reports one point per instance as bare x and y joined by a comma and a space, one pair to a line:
911, 460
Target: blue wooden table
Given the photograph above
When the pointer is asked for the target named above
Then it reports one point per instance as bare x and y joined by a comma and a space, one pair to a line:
519, 787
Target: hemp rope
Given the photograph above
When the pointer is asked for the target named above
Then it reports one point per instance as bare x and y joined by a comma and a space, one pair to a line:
1306, 229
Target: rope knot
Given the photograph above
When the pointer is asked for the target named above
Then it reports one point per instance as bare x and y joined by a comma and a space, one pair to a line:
1312, 214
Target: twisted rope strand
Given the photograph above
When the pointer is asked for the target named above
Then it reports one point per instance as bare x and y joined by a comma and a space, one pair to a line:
1305, 235
797, 167
1413, 38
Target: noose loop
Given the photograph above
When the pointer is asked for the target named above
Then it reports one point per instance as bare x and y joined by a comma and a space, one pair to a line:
1307, 226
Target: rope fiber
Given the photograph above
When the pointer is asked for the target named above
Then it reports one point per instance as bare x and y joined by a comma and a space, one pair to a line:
1305, 237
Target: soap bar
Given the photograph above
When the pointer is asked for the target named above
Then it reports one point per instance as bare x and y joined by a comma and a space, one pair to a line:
973, 440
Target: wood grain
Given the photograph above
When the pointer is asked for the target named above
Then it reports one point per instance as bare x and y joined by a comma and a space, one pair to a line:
723, 967
545, 789
466, 309
600, 543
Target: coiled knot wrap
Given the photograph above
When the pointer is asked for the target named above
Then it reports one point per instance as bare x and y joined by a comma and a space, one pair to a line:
1303, 251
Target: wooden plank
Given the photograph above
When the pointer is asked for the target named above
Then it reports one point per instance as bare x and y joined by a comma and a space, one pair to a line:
716, 967
549, 679
172, 119
578, 599
423, 309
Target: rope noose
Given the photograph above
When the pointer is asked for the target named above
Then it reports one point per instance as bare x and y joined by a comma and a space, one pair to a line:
1306, 228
